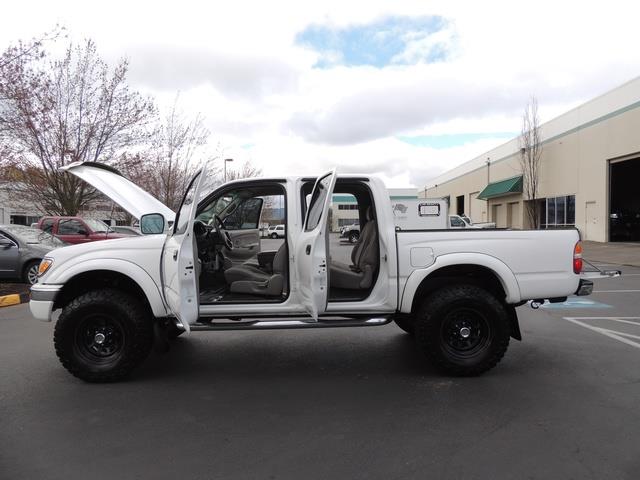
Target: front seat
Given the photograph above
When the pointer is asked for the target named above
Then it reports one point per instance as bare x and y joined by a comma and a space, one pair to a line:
256, 281
364, 257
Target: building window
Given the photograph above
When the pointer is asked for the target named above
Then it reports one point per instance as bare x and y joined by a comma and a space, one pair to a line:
347, 206
559, 212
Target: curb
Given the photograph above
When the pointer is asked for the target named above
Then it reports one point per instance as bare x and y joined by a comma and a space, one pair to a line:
13, 299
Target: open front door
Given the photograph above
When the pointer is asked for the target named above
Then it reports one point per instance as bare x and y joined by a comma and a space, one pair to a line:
179, 262
311, 249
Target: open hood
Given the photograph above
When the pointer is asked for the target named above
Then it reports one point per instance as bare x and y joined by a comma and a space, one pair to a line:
122, 191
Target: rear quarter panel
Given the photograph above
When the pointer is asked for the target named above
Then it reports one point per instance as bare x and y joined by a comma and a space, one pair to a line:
530, 264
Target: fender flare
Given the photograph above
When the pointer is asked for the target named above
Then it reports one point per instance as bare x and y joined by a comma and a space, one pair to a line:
124, 267
499, 268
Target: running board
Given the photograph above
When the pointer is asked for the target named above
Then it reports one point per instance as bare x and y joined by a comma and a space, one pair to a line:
266, 324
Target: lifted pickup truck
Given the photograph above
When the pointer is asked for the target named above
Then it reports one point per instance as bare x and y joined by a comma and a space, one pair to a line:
455, 291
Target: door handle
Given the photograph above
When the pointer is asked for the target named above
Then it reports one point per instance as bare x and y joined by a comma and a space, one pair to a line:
175, 255
308, 250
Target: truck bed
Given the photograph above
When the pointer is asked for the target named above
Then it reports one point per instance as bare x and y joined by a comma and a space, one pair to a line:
530, 264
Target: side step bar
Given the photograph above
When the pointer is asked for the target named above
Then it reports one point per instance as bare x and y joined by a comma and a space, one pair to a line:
266, 324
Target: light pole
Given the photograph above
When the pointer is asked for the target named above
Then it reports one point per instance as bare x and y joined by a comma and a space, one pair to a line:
225, 168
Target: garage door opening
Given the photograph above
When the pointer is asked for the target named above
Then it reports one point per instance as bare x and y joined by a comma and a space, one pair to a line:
624, 201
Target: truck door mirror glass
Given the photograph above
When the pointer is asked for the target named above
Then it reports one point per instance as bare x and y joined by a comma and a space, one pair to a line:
152, 224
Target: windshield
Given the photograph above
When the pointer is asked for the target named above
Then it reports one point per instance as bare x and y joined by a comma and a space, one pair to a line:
96, 225
31, 235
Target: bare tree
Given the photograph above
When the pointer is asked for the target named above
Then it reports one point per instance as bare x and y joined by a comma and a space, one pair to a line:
31, 49
176, 150
530, 154
53, 112
246, 171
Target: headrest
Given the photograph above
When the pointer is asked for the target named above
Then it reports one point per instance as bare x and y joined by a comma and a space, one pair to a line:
369, 213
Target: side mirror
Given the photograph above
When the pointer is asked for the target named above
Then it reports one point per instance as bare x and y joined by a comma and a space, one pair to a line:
82, 232
152, 224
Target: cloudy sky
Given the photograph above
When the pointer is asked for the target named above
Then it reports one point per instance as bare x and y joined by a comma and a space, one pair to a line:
404, 89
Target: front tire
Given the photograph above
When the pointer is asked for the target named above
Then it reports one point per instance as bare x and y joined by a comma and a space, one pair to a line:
274, 235
464, 330
353, 237
102, 335
30, 272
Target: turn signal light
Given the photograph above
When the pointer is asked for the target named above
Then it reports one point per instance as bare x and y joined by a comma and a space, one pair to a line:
44, 266
577, 258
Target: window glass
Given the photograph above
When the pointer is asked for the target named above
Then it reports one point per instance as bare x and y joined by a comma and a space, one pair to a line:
182, 219
457, 222
47, 225
71, 227
97, 226
245, 216
571, 210
551, 211
316, 205
560, 210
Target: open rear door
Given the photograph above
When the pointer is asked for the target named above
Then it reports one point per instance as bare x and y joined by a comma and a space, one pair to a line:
311, 249
179, 262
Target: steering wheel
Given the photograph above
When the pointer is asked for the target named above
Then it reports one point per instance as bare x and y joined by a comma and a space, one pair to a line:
200, 229
226, 238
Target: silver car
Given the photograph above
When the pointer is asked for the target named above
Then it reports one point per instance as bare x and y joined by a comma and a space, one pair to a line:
21, 250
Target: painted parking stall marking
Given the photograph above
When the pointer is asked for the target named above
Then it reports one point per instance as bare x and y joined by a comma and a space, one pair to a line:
630, 339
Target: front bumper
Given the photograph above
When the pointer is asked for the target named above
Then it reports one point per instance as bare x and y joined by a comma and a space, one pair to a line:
42, 300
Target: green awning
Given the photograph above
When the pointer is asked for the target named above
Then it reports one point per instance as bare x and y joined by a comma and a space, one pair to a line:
501, 188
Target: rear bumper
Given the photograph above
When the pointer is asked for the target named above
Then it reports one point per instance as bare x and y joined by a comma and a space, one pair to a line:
585, 287
42, 300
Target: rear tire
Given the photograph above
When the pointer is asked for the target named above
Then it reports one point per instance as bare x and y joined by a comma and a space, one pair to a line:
103, 335
464, 330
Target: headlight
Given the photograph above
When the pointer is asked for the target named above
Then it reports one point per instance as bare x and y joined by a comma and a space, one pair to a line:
44, 266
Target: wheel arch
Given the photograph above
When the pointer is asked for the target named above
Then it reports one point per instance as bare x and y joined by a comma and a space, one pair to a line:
120, 274
482, 270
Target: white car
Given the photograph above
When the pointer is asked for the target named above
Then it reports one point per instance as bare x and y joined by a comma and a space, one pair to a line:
455, 291
276, 231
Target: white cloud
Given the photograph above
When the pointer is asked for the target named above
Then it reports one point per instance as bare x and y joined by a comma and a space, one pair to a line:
236, 63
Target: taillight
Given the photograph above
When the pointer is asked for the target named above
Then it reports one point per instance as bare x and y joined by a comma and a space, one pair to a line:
577, 258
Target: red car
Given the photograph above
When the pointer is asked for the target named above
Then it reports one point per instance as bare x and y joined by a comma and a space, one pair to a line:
76, 229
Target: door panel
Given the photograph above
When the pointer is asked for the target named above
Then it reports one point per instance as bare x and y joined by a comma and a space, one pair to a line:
312, 247
242, 226
9, 257
179, 270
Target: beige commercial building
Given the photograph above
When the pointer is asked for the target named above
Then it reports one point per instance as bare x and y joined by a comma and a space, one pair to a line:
589, 173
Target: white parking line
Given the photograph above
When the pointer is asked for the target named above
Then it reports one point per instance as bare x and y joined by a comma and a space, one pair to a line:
616, 291
620, 336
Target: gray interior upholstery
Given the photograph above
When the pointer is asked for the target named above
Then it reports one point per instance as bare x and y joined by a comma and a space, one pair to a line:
254, 280
364, 260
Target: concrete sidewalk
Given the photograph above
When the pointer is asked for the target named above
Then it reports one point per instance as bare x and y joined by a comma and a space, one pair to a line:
617, 253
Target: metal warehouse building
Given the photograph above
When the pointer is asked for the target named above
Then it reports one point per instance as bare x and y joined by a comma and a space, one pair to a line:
589, 173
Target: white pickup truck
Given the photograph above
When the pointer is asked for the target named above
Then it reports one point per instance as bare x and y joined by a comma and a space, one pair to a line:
455, 291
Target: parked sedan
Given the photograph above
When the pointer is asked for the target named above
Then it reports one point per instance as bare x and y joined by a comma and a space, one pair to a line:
21, 250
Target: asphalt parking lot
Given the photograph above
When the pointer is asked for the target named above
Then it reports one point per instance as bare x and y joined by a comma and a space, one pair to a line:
338, 403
